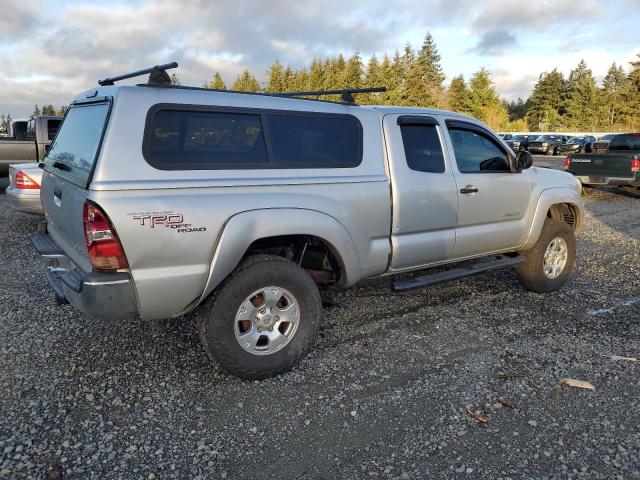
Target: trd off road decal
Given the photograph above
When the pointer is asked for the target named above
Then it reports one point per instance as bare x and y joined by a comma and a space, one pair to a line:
170, 219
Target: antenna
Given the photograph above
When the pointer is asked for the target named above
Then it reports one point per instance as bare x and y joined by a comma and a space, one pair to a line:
157, 68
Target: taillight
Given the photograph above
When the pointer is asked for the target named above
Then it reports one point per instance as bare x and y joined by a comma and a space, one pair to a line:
635, 164
567, 163
25, 182
105, 251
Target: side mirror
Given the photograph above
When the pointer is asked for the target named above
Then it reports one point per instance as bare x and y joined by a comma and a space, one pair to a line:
524, 160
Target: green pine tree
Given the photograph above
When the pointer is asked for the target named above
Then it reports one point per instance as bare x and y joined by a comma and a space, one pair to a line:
458, 95
413, 92
545, 102
275, 77
217, 83
580, 102
484, 102
36, 110
429, 60
612, 98
246, 82
353, 72
175, 80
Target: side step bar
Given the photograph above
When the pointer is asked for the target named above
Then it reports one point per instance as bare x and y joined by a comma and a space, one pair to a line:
456, 273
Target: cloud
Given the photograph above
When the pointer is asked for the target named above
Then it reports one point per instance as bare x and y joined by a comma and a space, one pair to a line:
50, 55
495, 42
17, 18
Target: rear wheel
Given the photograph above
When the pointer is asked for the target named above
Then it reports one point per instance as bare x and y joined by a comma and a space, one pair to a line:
550, 261
263, 320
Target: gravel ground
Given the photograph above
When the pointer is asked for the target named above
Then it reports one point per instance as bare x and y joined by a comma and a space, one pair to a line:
385, 393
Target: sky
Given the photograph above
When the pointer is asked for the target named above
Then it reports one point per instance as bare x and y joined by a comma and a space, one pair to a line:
50, 51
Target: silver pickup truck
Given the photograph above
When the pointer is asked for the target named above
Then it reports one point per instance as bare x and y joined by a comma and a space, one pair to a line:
160, 200
28, 144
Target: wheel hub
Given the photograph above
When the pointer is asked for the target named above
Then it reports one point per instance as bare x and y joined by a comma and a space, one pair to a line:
555, 258
266, 319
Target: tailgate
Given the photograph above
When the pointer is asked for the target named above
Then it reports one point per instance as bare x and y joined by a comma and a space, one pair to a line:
607, 165
63, 204
67, 173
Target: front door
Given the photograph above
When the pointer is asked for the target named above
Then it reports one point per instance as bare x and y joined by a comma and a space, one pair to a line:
423, 189
493, 196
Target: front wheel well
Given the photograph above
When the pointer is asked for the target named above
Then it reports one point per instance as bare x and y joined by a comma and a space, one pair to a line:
317, 256
565, 212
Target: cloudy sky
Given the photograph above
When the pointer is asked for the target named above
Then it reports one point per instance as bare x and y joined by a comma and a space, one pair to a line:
50, 51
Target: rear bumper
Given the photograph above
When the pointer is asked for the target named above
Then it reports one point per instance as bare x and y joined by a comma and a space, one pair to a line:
102, 295
27, 201
604, 181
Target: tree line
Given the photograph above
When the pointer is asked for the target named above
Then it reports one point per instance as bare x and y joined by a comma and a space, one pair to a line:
414, 77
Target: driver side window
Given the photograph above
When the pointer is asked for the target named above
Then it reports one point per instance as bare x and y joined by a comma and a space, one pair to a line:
477, 153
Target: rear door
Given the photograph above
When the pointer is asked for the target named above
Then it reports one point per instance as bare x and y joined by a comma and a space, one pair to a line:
423, 189
68, 167
493, 196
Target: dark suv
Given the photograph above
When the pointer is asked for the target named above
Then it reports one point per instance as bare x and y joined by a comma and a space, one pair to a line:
577, 145
547, 144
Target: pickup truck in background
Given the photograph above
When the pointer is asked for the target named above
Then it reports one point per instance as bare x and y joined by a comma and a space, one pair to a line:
601, 144
29, 143
547, 144
620, 166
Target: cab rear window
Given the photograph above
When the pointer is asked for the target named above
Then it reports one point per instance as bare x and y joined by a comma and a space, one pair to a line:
202, 139
74, 151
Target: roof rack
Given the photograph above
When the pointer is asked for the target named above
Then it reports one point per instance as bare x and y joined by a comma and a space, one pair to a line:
158, 77
151, 70
346, 94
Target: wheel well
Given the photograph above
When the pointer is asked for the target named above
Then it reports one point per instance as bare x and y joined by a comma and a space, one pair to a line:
565, 212
314, 254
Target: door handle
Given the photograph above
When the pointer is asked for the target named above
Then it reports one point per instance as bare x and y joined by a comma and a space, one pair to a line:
469, 189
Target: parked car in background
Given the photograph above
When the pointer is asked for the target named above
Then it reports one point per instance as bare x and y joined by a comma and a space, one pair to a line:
23, 192
546, 144
28, 146
601, 144
517, 141
619, 166
161, 201
577, 145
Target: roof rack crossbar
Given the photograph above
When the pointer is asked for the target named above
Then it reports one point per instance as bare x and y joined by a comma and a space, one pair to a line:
345, 93
112, 80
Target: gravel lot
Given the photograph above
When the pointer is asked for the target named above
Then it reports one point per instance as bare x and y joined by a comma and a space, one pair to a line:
385, 393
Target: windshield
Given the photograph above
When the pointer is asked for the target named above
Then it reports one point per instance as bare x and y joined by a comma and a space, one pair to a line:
545, 138
517, 137
576, 140
74, 151
606, 137
625, 142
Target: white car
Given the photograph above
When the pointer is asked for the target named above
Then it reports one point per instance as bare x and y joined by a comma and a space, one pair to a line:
23, 192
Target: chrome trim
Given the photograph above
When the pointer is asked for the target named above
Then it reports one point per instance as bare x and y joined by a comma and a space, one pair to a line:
111, 282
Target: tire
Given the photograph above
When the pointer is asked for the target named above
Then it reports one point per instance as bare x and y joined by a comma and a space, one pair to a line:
531, 274
220, 322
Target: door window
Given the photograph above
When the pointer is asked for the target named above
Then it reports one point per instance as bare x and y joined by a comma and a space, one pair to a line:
477, 153
422, 148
